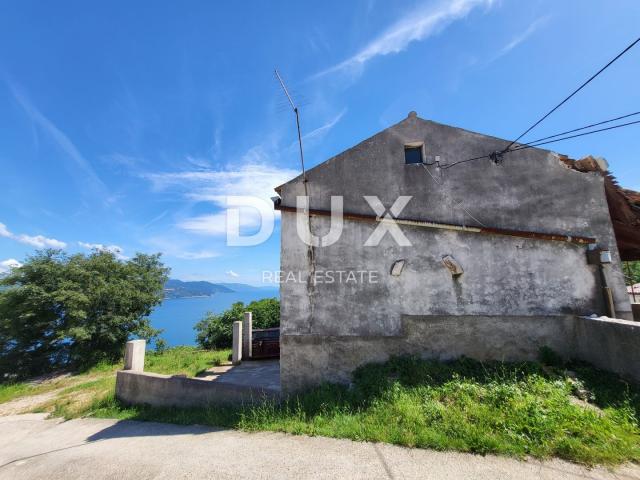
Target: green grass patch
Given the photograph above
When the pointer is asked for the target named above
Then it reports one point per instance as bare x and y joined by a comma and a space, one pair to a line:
186, 360
514, 409
9, 391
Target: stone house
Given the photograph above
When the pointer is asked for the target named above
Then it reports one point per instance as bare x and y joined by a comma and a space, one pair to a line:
495, 256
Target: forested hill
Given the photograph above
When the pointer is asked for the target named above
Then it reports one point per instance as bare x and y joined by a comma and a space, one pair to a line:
179, 289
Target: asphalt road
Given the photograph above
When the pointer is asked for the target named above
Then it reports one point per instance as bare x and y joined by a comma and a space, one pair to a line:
34, 448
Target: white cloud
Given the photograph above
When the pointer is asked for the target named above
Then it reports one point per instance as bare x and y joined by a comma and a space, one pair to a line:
417, 25
37, 241
231, 273
115, 249
251, 180
199, 255
179, 247
7, 265
80, 167
324, 129
518, 39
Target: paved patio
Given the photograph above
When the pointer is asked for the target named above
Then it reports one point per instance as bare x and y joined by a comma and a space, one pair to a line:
250, 373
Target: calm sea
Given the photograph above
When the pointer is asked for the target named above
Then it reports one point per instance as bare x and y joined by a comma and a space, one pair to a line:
178, 316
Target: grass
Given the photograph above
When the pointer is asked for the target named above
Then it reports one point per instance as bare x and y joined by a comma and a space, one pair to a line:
77, 391
184, 360
514, 409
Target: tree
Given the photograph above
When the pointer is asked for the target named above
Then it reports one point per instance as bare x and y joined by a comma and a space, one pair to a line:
631, 271
61, 311
215, 331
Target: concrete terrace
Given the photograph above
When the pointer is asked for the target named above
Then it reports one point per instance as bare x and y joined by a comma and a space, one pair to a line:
256, 373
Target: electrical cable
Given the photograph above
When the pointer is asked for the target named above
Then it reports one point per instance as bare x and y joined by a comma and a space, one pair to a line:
629, 47
525, 146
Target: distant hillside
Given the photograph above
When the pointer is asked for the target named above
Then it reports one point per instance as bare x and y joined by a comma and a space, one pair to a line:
179, 289
243, 287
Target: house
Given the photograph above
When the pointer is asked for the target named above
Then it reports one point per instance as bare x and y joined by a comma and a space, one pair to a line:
491, 258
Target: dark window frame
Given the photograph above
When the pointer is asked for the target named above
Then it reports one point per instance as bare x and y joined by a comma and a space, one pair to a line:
414, 152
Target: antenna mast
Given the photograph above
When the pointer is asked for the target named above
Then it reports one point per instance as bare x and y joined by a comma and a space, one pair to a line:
296, 111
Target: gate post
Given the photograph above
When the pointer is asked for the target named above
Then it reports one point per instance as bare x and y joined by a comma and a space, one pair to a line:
134, 355
236, 346
247, 334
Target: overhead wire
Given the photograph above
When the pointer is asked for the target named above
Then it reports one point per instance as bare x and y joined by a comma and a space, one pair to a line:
589, 80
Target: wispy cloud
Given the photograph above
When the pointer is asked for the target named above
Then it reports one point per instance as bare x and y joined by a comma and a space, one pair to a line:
324, 129
37, 241
178, 246
251, 179
7, 265
417, 25
80, 166
115, 249
232, 274
521, 37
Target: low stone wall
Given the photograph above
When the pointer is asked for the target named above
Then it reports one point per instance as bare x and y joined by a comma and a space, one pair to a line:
608, 344
134, 387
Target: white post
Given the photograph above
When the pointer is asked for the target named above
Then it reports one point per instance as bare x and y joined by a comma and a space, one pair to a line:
247, 334
236, 346
134, 355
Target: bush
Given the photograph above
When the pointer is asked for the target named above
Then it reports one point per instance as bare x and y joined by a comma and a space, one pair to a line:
215, 331
60, 311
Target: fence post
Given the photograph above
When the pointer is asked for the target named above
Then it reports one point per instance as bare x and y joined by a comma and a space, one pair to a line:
247, 334
134, 355
236, 346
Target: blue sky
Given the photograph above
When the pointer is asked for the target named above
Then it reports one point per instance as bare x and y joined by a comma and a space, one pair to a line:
123, 123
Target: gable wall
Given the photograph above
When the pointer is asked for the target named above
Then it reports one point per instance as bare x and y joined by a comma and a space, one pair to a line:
503, 276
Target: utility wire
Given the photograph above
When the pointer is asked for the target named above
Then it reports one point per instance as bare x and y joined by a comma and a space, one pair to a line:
573, 93
581, 128
523, 147
534, 144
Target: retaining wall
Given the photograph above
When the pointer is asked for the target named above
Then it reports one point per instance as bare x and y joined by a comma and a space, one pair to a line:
608, 344
166, 391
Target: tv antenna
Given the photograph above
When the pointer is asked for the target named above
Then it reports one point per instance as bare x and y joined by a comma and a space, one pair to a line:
297, 113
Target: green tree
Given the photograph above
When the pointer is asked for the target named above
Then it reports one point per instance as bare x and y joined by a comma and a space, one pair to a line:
61, 311
631, 272
215, 330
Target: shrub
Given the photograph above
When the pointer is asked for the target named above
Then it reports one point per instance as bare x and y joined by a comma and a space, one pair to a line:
215, 331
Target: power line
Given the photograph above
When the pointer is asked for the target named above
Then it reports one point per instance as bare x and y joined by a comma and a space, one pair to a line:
573, 93
582, 128
524, 147
534, 144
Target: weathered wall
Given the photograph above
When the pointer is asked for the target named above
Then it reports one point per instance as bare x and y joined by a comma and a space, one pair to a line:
140, 388
312, 359
503, 276
609, 344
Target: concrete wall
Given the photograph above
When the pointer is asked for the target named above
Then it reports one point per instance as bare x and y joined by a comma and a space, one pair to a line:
503, 276
312, 358
612, 345
166, 391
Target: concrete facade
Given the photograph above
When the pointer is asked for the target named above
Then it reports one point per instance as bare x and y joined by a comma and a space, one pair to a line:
516, 282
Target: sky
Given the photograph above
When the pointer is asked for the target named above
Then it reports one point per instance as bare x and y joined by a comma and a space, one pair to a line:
123, 125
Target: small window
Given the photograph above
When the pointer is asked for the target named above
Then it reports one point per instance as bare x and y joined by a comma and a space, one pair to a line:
413, 154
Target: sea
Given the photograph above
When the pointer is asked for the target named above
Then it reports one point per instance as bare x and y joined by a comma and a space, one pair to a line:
177, 316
